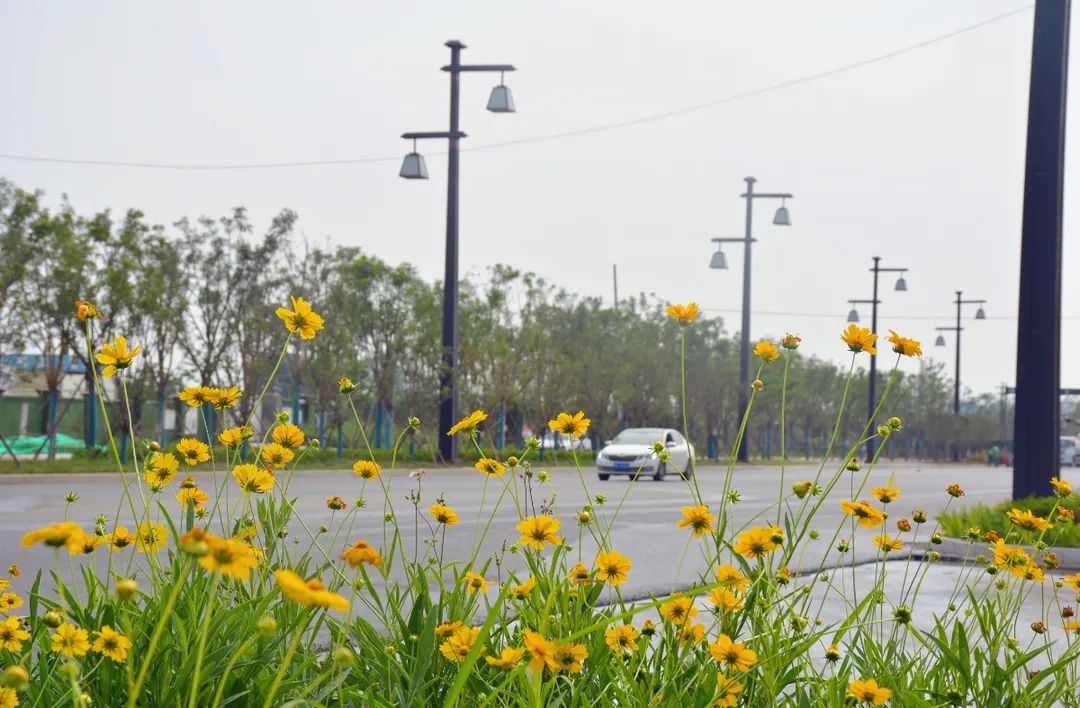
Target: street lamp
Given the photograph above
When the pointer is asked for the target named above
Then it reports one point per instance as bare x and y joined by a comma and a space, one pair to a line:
781, 218
980, 314
413, 167
853, 316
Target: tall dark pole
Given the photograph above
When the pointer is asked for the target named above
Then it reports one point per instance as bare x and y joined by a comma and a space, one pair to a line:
447, 380
956, 378
872, 383
744, 343
1038, 351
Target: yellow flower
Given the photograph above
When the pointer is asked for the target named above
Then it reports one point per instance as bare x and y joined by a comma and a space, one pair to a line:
457, 647
361, 552
120, 539
541, 651
85, 309
476, 583
727, 690
536, 531
14, 570
443, 514
490, 467
9, 697
196, 396
572, 425
300, 319
732, 577
66, 534
766, 351
1028, 520
229, 556
725, 600
367, 469
733, 655
692, 633
621, 638
859, 339
310, 593
867, 691
886, 494
233, 438
1072, 581
251, 478
150, 537
160, 468
467, 425
510, 658
12, 634
886, 543
193, 497
223, 398
89, 545
4, 583
345, 385
568, 657
579, 574
683, 314
193, 451
116, 356
1061, 487
447, 628
288, 435
679, 611
757, 542
612, 567
698, 519
10, 601
70, 640
111, 643
904, 345
868, 516
522, 591
276, 455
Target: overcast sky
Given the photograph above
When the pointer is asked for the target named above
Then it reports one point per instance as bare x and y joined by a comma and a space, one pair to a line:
917, 158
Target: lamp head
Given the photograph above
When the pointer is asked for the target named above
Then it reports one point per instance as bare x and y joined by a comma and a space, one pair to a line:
501, 99
853, 316
719, 260
901, 284
413, 167
980, 314
940, 341
782, 218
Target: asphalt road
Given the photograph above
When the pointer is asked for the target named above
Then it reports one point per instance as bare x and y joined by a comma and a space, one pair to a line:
645, 528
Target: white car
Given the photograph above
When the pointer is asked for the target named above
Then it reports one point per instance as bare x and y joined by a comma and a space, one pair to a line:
631, 453
1068, 450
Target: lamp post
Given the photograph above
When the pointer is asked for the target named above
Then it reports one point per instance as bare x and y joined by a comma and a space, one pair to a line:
853, 316
414, 167
980, 314
719, 261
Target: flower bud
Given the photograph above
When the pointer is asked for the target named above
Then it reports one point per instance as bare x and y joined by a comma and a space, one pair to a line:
933, 556
852, 465
282, 417
323, 528
414, 422
936, 539
126, 589
801, 489
53, 618
345, 385
69, 670
813, 534
532, 443
790, 341
895, 423
15, 677
71, 497
1038, 627
884, 431
832, 653
267, 626
153, 446
733, 496
758, 385
919, 516
343, 656
903, 525
314, 443
512, 461
843, 546
543, 476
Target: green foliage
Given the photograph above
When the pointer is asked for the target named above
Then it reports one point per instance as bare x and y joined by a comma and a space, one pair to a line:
994, 517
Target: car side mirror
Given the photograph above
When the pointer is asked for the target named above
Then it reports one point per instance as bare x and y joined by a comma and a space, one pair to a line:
607, 442
671, 443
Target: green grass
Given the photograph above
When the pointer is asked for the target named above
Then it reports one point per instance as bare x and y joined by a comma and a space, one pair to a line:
1065, 534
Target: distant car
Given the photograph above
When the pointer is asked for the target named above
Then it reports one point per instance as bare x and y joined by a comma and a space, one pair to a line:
1069, 452
631, 453
566, 442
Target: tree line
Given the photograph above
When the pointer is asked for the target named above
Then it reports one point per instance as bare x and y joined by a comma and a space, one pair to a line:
200, 297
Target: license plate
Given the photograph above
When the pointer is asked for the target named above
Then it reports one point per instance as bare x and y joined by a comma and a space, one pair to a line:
622, 465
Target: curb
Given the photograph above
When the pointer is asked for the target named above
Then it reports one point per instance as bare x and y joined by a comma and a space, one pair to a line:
955, 550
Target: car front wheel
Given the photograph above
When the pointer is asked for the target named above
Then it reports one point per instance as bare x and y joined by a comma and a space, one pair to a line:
603, 477
661, 472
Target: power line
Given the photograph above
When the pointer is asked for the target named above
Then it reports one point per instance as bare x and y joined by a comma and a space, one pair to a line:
541, 138
835, 315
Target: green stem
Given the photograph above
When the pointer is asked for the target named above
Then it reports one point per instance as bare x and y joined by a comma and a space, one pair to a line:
158, 629
286, 659
203, 632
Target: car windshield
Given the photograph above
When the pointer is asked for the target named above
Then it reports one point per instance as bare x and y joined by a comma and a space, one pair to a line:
638, 436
